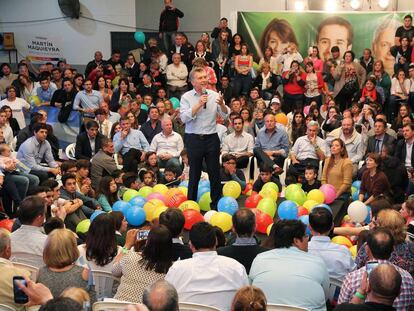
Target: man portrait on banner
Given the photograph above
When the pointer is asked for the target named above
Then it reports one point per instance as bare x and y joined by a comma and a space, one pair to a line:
334, 31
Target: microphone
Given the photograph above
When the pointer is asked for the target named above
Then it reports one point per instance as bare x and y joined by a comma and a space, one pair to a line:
204, 92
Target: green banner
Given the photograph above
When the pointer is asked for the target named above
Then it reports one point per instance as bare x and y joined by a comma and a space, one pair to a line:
350, 30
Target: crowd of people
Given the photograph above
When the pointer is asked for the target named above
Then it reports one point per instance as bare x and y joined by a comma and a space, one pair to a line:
176, 110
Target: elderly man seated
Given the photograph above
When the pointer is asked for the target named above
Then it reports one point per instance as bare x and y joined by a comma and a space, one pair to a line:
168, 146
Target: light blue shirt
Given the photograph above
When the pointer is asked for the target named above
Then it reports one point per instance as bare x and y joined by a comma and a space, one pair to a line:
45, 95
87, 100
114, 117
204, 122
291, 276
278, 140
135, 139
31, 153
337, 257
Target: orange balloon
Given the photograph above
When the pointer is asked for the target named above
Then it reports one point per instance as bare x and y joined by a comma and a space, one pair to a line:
281, 118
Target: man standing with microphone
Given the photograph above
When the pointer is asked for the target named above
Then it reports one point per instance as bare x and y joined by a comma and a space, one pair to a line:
198, 110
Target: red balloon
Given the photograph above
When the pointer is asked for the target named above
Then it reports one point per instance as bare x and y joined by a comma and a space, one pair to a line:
7, 224
263, 221
249, 187
176, 200
253, 200
302, 211
192, 217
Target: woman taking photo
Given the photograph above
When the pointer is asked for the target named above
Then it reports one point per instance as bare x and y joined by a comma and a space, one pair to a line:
313, 85
349, 77
59, 255
332, 121
107, 193
374, 182
243, 66
293, 87
121, 96
138, 270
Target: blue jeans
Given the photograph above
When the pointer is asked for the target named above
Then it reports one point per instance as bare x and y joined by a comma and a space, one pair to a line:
241, 84
22, 184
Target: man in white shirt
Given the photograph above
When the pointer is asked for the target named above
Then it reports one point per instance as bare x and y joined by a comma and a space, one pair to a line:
206, 278
337, 257
177, 75
239, 143
168, 146
28, 241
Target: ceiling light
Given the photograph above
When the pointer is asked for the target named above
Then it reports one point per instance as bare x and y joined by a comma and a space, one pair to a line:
299, 5
383, 3
355, 4
330, 6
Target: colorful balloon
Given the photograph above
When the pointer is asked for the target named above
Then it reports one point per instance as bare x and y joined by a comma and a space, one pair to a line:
357, 211
7, 224
160, 188
150, 207
208, 215
191, 217
341, 240
144, 107
269, 193
305, 220
83, 226
353, 250
329, 193
145, 191
137, 201
139, 36
247, 190
175, 102
272, 185
227, 205
356, 184
324, 206
189, 204
282, 119
310, 204
205, 202
135, 216
295, 194
130, 194
316, 195
96, 214
232, 189
222, 220
158, 210
302, 211
287, 210
156, 195
267, 206
269, 229
176, 200
263, 221
252, 201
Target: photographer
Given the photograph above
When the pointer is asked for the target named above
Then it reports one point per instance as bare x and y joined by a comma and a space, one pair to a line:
293, 86
169, 23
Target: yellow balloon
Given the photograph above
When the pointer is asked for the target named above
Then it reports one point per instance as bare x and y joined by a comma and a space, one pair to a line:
130, 194
184, 190
346, 218
341, 240
353, 250
158, 210
222, 220
281, 118
272, 185
232, 189
150, 207
316, 195
309, 204
189, 204
269, 193
269, 228
160, 188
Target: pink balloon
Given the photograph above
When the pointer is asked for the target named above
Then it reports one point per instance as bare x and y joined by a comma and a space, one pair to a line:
156, 195
306, 110
329, 192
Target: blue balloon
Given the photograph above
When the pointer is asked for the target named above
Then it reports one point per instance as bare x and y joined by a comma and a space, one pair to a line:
135, 216
204, 183
227, 205
368, 219
325, 206
305, 220
138, 201
184, 183
139, 36
356, 184
201, 190
120, 206
144, 107
287, 210
95, 214
355, 196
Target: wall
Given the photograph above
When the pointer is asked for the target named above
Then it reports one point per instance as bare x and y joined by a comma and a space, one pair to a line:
80, 38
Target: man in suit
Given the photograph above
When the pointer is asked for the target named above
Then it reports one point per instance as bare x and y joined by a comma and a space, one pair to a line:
404, 149
89, 142
103, 163
147, 87
380, 138
179, 47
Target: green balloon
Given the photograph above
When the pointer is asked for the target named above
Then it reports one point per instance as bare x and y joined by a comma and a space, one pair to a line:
297, 196
175, 102
144, 107
83, 226
145, 191
205, 202
130, 194
267, 206
291, 189
271, 185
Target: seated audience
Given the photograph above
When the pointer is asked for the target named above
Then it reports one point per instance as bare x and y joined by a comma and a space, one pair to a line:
380, 243
289, 269
265, 175
28, 241
120, 226
160, 296
103, 163
245, 248
153, 126
148, 266
107, 193
337, 257
169, 177
88, 143
60, 271
196, 279
249, 298
229, 171
310, 181
407, 211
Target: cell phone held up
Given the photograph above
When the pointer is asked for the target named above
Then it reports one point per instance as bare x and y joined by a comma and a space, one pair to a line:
142, 235
19, 296
371, 265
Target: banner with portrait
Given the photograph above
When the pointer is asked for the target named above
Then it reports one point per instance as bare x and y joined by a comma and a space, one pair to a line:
350, 30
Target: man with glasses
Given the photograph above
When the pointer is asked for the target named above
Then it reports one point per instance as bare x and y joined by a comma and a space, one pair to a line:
239, 144
229, 171
289, 269
88, 100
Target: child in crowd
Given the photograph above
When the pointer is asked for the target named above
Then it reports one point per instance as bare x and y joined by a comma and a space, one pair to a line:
266, 175
186, 168
311, 179
151, 164
120, 226
53, 223
130, 181
107, 193
147, 178
117, 176
229, 171
83, 182
170, 178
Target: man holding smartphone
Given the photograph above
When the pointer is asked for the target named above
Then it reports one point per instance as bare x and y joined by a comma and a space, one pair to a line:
8, 271
169, 23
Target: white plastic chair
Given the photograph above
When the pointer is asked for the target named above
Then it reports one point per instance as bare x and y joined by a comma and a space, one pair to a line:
280, 307
28, 259
14, 143
188, 306
110, 305
334, 288
34, 271
6, 308
104, 282
119, 166
70, 151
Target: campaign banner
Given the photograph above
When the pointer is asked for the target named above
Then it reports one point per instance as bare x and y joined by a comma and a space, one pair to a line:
40, 49
349, 31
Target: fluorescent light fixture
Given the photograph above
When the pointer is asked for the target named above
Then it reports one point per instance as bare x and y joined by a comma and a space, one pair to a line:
355, 4
383, 3
330, 5
299, 5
